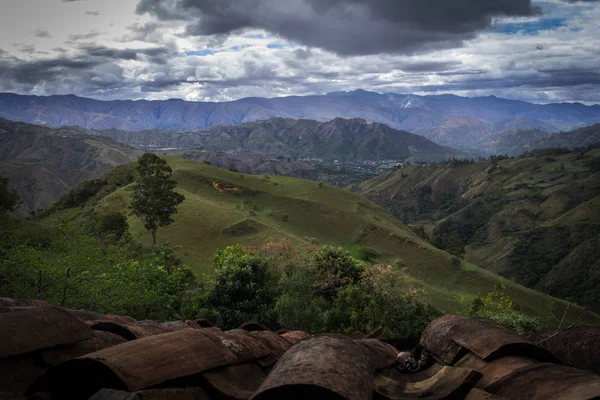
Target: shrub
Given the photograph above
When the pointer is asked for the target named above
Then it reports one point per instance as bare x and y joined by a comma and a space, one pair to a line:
112, 223
364, 253
242, 289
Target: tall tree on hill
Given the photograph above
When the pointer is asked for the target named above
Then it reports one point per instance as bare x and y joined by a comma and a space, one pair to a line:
154, 200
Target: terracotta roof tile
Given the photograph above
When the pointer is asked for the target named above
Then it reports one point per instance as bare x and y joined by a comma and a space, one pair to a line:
38, 328
154, 394
99, 341
576, 347
322, 365
449, 337
125, 359
137, 364
448, 382
547, 381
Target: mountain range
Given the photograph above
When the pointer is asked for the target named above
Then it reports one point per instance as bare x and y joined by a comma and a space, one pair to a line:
447, 119
43, 163
338, 139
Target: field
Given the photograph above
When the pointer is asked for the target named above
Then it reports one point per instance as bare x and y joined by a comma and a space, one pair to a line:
224, 208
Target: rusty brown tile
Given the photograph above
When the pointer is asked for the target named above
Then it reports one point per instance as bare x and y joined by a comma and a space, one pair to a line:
496, 369
576, 347
447, 383
548, 381
18, 372
448, 336
294, 336
321, 367
99, 341
154, 394
243, 345
136, 364
137, 329
478, 394
238, 382
253, 326
39, 328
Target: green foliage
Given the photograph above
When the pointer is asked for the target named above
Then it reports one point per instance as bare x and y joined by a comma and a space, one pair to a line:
77, 196
241, 289
336, 268
363, 253
114, 223
498, 306
298, 306
154, 200
9, 199
70, 267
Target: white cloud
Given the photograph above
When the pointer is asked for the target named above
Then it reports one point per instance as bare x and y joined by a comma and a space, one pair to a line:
561, 64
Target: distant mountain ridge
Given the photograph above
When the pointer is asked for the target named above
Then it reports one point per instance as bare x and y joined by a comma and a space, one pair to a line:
417, 114
341, 139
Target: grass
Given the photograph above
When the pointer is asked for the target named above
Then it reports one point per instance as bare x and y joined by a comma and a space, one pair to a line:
218, 199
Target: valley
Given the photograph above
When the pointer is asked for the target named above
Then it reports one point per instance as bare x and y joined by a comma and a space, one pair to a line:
532, 219
224, 208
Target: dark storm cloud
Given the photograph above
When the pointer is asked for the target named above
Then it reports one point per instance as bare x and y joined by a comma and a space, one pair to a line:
84, 36
41, 33
347, 27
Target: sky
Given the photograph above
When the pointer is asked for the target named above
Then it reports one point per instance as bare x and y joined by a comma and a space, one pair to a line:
221, 50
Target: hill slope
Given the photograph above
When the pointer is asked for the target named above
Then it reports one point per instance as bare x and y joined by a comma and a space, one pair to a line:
406, 112
43, 163
534, 220
347, 140
224, 208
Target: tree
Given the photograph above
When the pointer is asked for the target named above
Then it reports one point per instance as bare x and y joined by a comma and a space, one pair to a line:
154, 200
9, 199
241, 289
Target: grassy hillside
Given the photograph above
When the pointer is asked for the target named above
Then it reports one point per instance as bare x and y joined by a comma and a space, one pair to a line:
532, 219
224, 208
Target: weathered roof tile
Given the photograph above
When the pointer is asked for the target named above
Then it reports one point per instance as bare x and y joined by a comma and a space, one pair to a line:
38, 328
449, 336
137, 364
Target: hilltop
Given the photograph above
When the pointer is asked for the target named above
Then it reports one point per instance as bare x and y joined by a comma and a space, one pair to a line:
532, 219
224, 208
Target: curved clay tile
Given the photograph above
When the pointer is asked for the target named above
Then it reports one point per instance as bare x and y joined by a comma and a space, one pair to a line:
99, 341
10, 305
447, 383
328, 367
547, 381
204, 323
253, 326
273, 341
137, 329
234, 381
449, 337
576, 347
294, 336
243, 345
39, 328
193, 393
136, 365
494, 370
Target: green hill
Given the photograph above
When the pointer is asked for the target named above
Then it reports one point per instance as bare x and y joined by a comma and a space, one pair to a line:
533, 219
224, 208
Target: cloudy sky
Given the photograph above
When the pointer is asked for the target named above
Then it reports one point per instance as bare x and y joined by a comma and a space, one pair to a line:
217, 50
